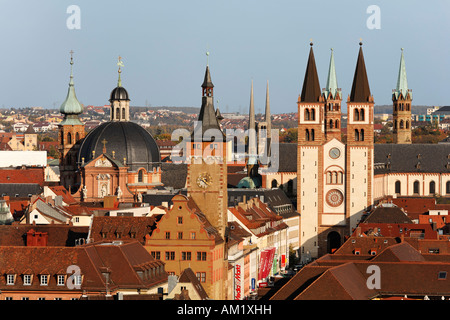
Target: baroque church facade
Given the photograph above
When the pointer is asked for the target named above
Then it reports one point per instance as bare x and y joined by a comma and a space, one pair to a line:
118, 158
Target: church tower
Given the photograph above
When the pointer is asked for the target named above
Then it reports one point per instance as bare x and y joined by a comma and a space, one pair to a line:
119, 99
309, 158
360, 149
71, 132
401, 98
207, 174
333, 97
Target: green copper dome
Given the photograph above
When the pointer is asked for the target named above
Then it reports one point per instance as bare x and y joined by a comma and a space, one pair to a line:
71, 106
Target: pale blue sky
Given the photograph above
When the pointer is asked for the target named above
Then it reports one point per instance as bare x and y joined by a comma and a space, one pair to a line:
163, 46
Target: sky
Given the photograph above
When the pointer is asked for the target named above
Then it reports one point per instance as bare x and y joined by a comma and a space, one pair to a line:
163, 45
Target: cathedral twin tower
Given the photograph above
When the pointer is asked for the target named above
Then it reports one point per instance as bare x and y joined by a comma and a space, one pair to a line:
335, 176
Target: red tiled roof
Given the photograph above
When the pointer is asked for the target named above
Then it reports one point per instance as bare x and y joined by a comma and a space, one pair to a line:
27, 175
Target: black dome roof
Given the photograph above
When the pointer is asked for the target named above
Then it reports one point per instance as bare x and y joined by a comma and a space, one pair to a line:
127, 139
119, 93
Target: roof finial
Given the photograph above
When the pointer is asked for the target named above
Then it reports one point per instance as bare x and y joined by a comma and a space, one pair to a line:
310, 42
71, 67
120, 64
360, 42
207, 56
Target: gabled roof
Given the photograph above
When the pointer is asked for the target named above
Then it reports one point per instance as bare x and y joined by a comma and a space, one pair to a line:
399, 252
387, 214
188, 276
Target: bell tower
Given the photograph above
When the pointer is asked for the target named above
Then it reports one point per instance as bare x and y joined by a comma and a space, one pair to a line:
401, 98
360, 148
71, 132
333, 97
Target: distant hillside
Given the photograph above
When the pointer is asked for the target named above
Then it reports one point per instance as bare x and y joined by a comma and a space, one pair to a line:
388, 109
183, 109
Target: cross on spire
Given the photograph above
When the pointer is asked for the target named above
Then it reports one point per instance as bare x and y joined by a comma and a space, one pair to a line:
104, 145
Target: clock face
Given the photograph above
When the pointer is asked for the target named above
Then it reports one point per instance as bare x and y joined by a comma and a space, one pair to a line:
204, 180
335, 153
334, 198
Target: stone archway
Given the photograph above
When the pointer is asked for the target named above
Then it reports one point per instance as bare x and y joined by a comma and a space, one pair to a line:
333, 241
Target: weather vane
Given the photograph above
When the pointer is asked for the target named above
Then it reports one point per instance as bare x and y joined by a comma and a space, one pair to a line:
120, 64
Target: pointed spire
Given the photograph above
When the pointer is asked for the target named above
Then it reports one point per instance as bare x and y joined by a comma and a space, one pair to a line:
332, 86
251, 130
360, 87
268, 116
71, 106
402, 81
207, 114
311, 88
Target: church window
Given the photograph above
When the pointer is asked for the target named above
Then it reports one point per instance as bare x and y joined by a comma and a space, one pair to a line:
416, 187
356, 115
331, 124
401, 124
313, 114
117, 114
77, 137
361, 136
432, 187
356, 135
312, 134
361, 115
141, 175
398, 187
307, 135
123, 113
395, 124
407, 124
447, 187
69, 138
306, 114
336, 125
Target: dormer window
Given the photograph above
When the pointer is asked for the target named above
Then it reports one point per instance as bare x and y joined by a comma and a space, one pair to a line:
44, 279
27, 279
10, 279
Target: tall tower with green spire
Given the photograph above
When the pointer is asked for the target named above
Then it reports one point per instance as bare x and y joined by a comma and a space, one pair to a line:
401, 98
333, 97
71, 132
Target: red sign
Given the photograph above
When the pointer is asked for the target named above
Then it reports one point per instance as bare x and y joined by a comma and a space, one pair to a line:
237, 282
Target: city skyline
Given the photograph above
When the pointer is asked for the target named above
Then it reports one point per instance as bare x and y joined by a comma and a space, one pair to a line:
163, 46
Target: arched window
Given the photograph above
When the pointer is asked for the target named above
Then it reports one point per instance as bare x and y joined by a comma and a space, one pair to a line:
361, 115
340, 178
69, 138
401, 124
447, 187
334, 177
336, 125
416, 187
306, 114
407, 124
274, 183
123, 113
356, 115
312, 135
141, 175
77, 137
331, 124
361, 136
117, 114
395, 124
307, 135
356, 135
398, 187
432, 187
313, 114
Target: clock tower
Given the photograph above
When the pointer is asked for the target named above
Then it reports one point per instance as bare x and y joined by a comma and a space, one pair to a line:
207, 168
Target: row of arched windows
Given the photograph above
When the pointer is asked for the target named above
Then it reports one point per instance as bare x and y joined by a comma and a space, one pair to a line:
117, 113
359, 135
416, 187
69, 139
309, 135
334, 177
358, 114
401, 124
332, 107
332, 124
402, 107
310, 114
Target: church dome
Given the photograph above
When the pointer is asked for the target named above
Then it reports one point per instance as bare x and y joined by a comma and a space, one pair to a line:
127, 140
119, 93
